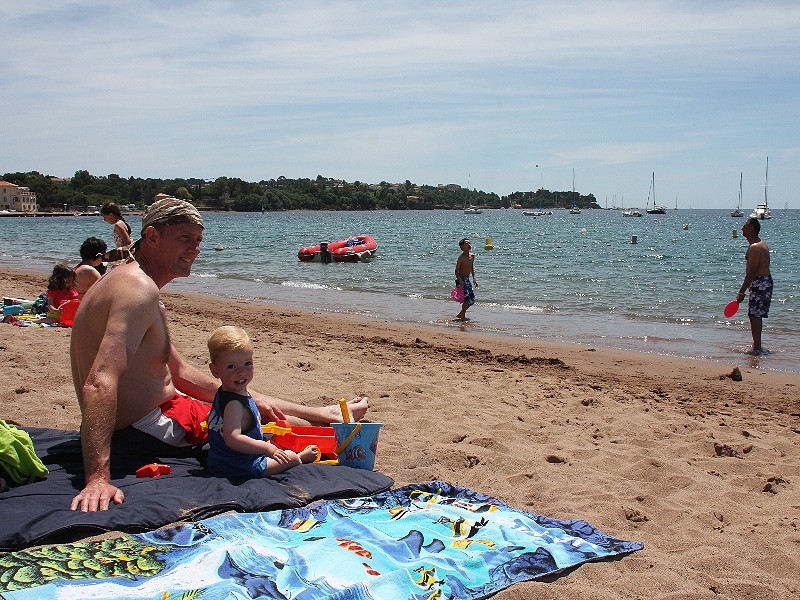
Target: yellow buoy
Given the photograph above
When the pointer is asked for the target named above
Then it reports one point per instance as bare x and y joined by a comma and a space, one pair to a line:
734, 233
685, 226
489, 245
583, 231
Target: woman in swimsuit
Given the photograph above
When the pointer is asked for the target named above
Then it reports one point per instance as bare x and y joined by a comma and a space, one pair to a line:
122, 231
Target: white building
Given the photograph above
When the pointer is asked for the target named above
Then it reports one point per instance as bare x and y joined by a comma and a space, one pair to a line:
15, 198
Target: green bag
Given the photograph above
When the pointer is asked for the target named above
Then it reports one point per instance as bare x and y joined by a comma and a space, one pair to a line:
17, 457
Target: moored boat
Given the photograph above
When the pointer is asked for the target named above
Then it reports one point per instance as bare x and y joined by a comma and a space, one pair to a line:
655, 209
737, 212
352, 249
762, 211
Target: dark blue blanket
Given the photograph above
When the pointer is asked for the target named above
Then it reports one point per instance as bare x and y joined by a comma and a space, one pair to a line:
38, 513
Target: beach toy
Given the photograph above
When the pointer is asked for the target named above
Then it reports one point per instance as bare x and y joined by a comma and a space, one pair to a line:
68, 310
731, 309
345, 410
13, 309
153, 470
298, 437
457, 294
488, 245
273, 428
357, 444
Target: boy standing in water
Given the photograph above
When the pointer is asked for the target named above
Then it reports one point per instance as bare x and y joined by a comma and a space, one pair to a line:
237, 444
465, 267
758, 279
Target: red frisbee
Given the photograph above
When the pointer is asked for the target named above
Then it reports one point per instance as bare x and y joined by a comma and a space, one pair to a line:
457, 294
731, 309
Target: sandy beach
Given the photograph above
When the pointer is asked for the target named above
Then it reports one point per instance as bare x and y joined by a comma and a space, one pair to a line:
702, 469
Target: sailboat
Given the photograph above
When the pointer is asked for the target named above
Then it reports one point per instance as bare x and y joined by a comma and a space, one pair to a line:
738, 211
762, 210
470, 210
574, 210
655, 209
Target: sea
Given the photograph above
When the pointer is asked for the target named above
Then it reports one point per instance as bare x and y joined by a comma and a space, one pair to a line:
656, 284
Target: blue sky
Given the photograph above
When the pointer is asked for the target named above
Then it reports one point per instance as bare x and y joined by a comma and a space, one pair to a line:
501, 96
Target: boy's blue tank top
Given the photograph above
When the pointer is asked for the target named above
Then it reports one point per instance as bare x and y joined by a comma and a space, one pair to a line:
222, 461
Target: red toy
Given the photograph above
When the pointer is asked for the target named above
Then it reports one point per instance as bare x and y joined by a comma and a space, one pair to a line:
153, 470
298, 437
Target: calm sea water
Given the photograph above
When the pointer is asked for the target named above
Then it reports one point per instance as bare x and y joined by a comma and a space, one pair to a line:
565, 278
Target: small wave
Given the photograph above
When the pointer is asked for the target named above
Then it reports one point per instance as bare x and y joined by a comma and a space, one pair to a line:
309, 286
206, 275
521, 307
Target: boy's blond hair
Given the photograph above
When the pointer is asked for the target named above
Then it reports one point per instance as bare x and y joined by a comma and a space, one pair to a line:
228, 339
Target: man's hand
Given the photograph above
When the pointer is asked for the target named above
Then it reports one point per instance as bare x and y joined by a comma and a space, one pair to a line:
96, 496
269, 413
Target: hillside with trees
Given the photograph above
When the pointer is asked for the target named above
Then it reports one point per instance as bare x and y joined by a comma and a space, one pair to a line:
321, 193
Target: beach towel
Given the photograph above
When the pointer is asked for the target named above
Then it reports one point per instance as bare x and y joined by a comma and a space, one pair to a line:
38, 512
421, 541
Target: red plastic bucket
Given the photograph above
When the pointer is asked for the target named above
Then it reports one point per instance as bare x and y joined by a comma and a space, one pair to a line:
68, 310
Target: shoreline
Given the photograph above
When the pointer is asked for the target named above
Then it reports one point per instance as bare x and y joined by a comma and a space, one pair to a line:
506, 330
667, 451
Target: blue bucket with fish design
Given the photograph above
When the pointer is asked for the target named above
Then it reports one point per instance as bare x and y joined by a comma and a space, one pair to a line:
361, 449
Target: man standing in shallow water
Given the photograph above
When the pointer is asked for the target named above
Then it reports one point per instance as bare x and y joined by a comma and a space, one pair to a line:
126, 372
758, 279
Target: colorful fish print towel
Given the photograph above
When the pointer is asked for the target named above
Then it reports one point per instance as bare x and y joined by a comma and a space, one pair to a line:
430, 541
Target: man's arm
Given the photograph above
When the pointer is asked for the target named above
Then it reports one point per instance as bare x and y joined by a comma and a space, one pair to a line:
189, 379
472, 270
121, 339
202, 386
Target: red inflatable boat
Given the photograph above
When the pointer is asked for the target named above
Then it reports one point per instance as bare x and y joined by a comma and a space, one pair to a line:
352, 249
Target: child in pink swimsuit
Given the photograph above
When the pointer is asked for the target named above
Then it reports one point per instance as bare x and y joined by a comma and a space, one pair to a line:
60, 288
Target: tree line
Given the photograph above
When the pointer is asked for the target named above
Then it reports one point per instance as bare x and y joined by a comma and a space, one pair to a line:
322, 193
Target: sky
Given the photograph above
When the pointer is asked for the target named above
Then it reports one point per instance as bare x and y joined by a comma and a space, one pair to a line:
498, 96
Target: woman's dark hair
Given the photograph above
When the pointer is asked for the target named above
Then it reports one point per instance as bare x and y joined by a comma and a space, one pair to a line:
61, 275
91, 247
112, 208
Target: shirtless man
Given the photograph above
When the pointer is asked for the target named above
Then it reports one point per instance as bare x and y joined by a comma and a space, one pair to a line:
88, 271
126, 371
758, 279
465, 266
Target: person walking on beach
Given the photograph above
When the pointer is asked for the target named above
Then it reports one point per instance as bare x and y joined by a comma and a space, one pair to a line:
757, 279
465, 267
133, 386
237, 447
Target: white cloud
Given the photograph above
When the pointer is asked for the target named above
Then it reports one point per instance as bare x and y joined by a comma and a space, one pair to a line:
405, 89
